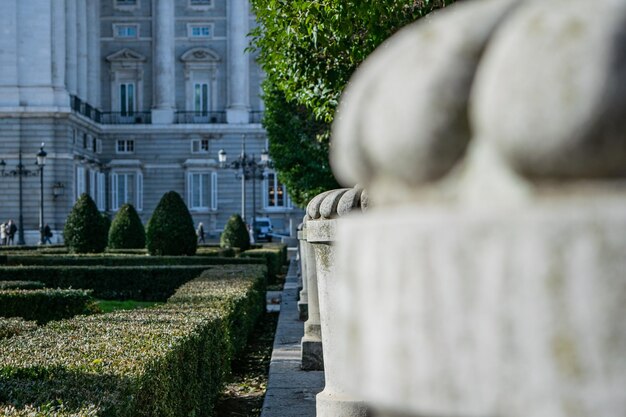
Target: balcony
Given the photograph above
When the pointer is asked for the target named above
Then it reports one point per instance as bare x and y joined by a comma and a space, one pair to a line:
126, 118
193, 117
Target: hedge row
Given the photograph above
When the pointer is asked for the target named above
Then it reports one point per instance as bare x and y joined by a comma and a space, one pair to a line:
14, 326
45, 305
21, 285
119, 260
169, 360
112, 283
274, 259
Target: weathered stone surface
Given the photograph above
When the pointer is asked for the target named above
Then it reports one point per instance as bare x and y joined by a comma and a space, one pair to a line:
403, 119
550, 91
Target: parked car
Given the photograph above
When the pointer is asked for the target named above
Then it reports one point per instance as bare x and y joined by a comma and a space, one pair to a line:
263, 229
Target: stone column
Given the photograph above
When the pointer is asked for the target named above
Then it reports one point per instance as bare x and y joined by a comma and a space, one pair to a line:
238, 110
34, 52
312, 357
324, 213
303, 302
93, 61
71, 51
58, 53
489, 281
9, 93
81, 36
164, 94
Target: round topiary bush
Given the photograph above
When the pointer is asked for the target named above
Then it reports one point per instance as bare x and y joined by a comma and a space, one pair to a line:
126, 230
85, 229
235, 234
170, 229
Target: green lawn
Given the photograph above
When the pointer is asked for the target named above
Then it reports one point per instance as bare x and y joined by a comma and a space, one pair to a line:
108, 306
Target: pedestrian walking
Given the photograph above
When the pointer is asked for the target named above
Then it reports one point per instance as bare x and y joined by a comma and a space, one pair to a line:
3, 234
200, 233
11, 230
47, 234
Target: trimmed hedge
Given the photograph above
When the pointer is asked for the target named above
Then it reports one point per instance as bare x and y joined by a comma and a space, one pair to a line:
128, 260
170, 230
86, 230
274, 259
142, 283
21, 285
14, 326
45, 305
235, 234
169, 360
126, 231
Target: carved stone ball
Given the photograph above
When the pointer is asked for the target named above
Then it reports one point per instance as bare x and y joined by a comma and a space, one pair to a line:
404, 114
550, 92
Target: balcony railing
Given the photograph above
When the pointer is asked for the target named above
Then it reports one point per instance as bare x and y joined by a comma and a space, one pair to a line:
193, 117
126, 118
86, 109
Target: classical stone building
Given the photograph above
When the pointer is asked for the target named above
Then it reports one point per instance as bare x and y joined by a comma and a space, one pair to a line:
132, 98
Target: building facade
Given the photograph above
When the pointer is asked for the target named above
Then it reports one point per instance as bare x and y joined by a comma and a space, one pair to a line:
133, 98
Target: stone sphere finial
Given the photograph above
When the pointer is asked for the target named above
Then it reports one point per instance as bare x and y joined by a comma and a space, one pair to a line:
403, 119
550, 93
336, 203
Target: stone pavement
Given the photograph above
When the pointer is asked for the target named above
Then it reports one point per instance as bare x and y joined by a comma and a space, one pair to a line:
290, 391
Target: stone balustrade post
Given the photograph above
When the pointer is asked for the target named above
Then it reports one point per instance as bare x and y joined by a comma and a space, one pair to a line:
311, 345
303, 302
324, 212
489, 280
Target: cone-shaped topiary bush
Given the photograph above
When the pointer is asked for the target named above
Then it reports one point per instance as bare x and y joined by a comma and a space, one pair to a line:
170, 229
127, 231
235, 234
85, 229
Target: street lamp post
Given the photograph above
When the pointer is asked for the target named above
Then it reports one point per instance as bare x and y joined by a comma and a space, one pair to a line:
19, 172
41, 162
249, 169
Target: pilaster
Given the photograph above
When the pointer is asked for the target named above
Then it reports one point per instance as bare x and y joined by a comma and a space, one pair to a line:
238, 110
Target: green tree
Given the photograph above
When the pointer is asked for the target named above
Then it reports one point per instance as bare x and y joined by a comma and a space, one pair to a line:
126, 230
85, 229
309, 49
235, 234
306, 173
170, 229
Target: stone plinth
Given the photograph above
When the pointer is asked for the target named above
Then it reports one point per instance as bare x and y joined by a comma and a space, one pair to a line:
323, 215
312, 357
303, 301
490, 278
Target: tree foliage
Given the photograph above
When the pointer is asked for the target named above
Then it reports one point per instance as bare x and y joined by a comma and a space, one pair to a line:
170, 229
306, 172
235, 234
309, 50
85, 229
126, 230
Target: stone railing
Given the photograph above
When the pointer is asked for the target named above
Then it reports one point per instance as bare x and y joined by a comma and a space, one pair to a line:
323, 212
489, 280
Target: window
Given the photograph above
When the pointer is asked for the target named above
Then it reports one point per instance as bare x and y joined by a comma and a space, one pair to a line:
202, 190
90, 143
85, 141
127, 99
80, 182
201, 98
129, 31
92, 184
126, 187
200, 146
275, 193
200, 31
125, 146
200, 2
98, 146
100, 191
